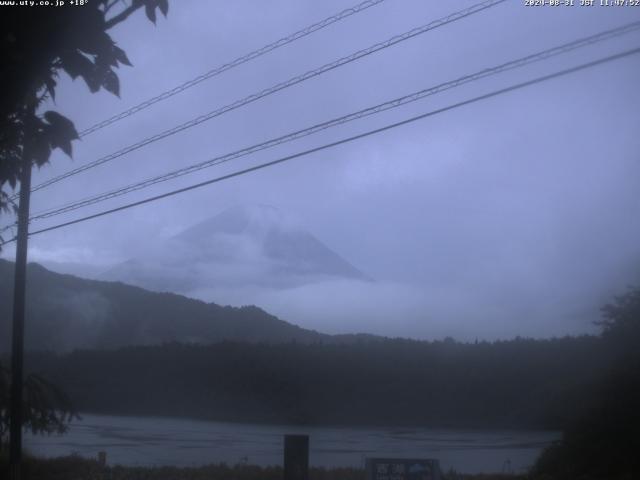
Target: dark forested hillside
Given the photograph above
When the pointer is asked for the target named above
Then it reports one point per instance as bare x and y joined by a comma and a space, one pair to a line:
66, 312
520, 383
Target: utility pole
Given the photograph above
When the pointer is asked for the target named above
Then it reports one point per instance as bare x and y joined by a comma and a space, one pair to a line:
19, 302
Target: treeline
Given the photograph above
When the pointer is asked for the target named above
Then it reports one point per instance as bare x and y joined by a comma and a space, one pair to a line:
518, 383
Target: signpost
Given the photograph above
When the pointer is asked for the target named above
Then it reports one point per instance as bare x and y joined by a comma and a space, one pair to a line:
402, 469
296, 457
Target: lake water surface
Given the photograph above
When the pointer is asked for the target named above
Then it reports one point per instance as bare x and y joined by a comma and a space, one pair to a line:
171, 441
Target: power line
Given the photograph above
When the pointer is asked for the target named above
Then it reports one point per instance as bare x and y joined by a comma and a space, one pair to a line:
495, 93
520, 62
234, 63
276, 88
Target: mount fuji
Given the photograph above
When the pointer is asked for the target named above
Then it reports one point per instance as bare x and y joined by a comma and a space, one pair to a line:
242, 247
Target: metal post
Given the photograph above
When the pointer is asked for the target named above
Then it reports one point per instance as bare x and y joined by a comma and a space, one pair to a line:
296, 457
19, 288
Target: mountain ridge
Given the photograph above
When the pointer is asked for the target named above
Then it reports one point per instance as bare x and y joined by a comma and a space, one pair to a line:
65, 312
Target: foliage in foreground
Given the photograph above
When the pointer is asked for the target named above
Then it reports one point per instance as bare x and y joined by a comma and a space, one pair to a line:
604, 443
36, 45
46, 408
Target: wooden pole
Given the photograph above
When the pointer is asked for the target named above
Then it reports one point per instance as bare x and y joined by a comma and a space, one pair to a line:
19, 290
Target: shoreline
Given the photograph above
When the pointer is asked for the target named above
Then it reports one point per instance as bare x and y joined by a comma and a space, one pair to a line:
337, 426
74, 466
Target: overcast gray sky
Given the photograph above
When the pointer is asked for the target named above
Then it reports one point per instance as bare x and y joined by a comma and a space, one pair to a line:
519, 215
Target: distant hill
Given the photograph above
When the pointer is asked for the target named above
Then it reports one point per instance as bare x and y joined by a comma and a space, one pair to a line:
67, 312
244, 246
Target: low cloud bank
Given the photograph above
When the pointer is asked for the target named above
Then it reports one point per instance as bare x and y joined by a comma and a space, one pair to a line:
417, 311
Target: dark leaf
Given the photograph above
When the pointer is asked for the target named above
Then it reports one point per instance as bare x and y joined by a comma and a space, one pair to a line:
76, 64
60, 131
150, 10
62, 142
91, 42
111, 83
40, 150
121, 56
65, 146
105, 56
92, 18
61, 124
92, 82
163, 5
105, 62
